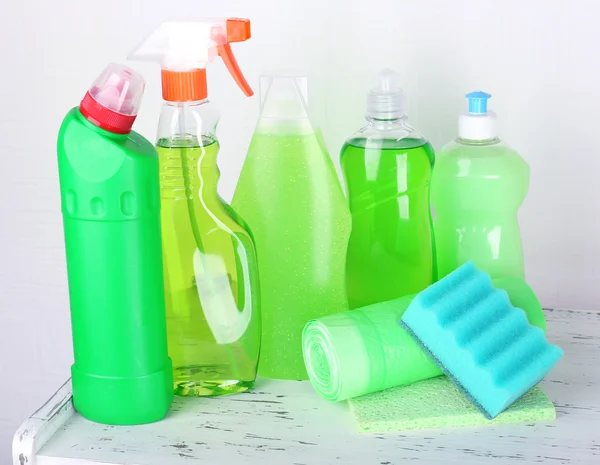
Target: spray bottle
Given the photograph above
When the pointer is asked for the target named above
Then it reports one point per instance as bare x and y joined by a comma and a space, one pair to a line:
210, 270
477, 187
110, 203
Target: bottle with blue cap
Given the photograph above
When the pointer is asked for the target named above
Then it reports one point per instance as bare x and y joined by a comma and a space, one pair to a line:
477, 187
387, 168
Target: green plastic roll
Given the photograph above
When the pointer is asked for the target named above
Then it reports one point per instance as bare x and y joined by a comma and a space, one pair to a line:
360, 351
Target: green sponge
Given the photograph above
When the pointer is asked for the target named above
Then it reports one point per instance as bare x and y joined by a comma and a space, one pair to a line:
437, 403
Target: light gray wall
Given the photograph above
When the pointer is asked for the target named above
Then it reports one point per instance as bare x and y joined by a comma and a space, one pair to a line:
538, 59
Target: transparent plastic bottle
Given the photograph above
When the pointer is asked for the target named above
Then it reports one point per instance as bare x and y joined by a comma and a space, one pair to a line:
210, 268
209, 260
290, 195
387, 168
478, 185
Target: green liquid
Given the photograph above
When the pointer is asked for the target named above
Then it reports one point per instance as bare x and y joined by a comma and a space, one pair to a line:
476, 191
390, 253
213, 320
289, 194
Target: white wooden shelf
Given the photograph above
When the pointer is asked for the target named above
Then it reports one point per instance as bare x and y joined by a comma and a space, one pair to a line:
285, 422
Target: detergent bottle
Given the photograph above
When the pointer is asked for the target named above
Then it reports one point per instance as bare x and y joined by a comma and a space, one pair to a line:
387, 167
210, 270
290, 195
478, 185
122, 374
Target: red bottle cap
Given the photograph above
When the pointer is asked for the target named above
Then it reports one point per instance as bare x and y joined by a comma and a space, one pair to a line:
113, 101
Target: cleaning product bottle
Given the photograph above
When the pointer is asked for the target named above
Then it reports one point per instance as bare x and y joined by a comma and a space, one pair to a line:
211, 276
387, 168
122, 374
477, 187
290, 195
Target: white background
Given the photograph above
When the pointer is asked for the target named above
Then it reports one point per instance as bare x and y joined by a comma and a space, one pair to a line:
539, 59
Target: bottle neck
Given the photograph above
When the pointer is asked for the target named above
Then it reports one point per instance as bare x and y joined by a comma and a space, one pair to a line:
390, 130
395, 125
187, 123
492, 141
387, 124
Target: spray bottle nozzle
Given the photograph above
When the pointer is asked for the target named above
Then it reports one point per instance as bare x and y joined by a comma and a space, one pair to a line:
478, 102
183, 50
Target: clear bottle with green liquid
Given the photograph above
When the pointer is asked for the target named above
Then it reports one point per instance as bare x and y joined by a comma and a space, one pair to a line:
478, 185
290, 195
210, 267
387, 168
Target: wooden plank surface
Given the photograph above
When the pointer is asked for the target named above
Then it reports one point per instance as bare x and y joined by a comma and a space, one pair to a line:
287, 423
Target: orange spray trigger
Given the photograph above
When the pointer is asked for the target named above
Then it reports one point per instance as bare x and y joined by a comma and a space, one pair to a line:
231, 63
238, 29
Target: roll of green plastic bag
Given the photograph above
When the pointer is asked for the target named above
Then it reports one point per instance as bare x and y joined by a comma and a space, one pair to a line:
360, 351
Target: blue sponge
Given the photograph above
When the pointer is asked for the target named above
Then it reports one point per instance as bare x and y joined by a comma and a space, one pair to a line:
483, 343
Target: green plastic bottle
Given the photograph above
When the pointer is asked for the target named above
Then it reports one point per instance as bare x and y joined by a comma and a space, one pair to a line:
110, 203
387, 168
290, 195
478, 185
210, 269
